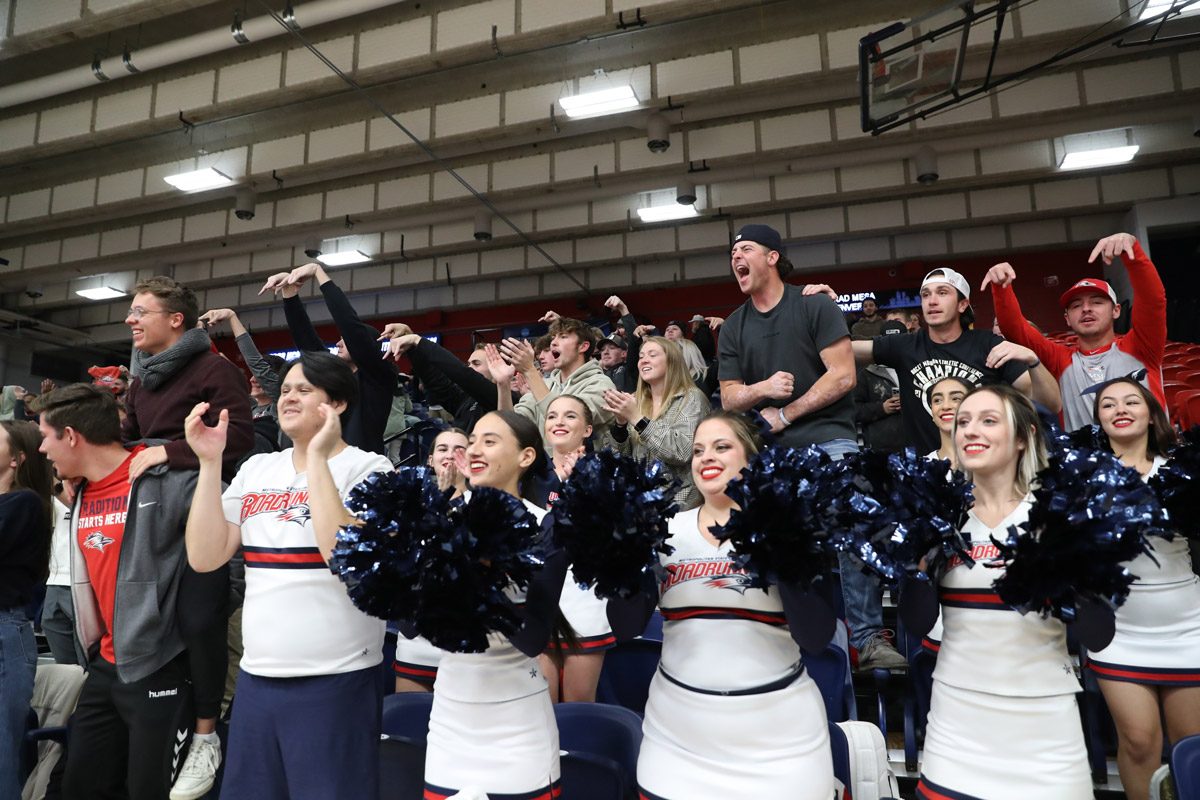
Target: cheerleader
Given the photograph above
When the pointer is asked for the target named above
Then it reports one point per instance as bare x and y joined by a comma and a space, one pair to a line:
943, 399
1003, 721
731, 711
573, 669
1151, 670
492, 729
417, 660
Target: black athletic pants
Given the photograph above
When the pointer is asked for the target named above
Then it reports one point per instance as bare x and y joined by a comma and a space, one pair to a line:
203, 614
128, 740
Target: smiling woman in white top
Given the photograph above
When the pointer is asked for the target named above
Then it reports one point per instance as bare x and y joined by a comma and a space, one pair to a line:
1003, 721
1150, 673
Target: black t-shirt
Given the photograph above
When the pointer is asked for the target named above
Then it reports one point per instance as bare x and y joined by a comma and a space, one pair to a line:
24, 546
920, 363
790, 337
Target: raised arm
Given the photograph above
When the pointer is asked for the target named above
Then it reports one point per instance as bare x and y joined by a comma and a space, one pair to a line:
259, 367
329, 514
303, 333
1013, 324
362, 341
1148, 329
447, 379
211, 540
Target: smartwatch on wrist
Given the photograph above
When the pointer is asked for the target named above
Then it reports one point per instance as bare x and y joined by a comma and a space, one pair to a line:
641, 425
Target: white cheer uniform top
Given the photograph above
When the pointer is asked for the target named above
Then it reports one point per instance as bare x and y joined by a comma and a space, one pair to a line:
298, 619
502, 672
986, 645
1174, 560
718, 633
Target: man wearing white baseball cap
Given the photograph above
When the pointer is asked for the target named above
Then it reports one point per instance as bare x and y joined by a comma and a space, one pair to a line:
1090, 308
947, 348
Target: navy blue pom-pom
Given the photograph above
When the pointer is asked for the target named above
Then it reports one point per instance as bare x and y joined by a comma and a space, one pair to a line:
611, 518
777, 530
1090, 515
446, 568
401, 513
897, 511
1177, 485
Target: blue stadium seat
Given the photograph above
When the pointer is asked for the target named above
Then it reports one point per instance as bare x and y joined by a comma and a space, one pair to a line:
602, 739
830, 669
1185, 767
406, 715
628, 669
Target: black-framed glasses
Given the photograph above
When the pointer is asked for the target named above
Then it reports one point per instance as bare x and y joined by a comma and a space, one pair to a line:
137, 312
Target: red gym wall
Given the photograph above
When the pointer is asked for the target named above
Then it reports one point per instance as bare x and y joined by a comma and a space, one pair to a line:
1038, 301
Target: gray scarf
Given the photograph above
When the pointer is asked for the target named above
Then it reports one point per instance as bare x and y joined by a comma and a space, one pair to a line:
155, 370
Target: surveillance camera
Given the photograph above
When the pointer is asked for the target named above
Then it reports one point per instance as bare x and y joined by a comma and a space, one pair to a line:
312, 252
312, 246
244, 205
658, 134
34, 292
483, 227
685, 193
925, 165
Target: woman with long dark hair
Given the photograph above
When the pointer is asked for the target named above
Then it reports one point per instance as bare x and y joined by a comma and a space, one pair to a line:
1150, 672
1003, 720
492, 727
26, 481
731, 711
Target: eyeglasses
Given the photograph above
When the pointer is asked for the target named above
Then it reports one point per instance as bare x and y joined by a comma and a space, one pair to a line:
137, 312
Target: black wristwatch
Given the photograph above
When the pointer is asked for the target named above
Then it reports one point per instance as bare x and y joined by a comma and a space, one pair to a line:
641, 425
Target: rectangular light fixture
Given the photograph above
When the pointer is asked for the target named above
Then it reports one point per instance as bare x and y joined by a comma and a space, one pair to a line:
343, 258
1101, 157
201, 179
605, 101
100, 293
1155, 7
667, 212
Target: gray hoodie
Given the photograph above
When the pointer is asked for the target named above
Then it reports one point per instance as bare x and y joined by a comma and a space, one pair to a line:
152, 560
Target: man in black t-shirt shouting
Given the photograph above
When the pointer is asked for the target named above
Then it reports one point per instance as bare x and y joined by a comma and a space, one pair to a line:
786, 352
945, 348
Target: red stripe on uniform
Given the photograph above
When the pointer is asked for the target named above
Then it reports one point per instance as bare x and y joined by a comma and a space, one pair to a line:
419, 672
770, 619
1183, 677
930, 644
283, 558
973, 597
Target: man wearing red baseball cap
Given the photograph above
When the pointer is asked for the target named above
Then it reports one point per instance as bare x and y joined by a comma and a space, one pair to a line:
1090, 308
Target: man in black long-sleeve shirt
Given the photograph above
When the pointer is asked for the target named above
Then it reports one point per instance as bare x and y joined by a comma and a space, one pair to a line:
465, 390
359, 345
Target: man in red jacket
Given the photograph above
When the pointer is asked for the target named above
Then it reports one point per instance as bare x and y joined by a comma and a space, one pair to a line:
174, 368
1090, 308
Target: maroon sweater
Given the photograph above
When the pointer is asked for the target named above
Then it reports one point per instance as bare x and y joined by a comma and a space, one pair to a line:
159, 414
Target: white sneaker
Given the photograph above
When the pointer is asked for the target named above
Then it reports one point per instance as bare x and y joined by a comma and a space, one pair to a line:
199, 770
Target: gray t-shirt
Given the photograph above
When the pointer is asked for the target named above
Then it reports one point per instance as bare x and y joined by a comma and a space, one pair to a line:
789, 337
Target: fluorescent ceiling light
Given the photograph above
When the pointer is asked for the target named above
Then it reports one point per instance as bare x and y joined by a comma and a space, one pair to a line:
605, 101
207, 178
1102, 157
1155, 7
343, 258
101, 293
664, 213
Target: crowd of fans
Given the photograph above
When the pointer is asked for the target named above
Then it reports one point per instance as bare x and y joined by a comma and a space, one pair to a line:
141, 458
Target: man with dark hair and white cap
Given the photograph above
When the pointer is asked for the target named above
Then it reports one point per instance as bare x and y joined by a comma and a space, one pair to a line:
786, 352
948, 348
1090, 308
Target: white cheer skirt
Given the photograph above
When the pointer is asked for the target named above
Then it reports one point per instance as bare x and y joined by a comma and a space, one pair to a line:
774, 744
982, 746
1157, 639
417, 660
502, 749
588, 617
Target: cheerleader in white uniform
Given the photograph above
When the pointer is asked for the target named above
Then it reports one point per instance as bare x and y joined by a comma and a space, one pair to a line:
492, 727
573, 669
1003, 721
943, 399
417, 660
1151, 670
731, 711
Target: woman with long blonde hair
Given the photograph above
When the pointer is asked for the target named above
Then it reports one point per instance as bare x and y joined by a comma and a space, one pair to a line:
659, 419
